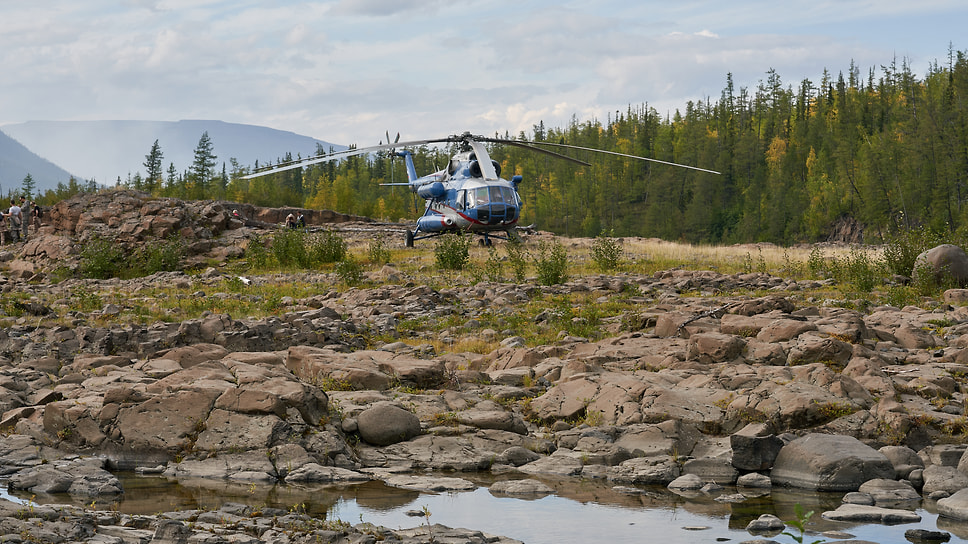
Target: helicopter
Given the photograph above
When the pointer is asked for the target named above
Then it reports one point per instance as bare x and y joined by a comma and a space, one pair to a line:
469, 194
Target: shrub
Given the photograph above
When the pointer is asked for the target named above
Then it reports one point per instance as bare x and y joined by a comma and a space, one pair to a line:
289, 248
517, 258
551, 263
328, 247
257, 253
349, 271
903, 248
164, 257
452, 251
378, 252
606, 252
101, 258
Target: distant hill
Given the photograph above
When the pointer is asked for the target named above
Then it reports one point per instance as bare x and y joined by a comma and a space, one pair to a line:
16, 161
106, 150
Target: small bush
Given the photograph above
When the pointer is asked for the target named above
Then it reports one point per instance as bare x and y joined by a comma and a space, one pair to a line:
452, 251
102, 258
607, 253
903, 248
493, 269
378, 252
289, 248
859, 270
349, 271
518, 259
551, 263
257, 253
328, 247
165, 257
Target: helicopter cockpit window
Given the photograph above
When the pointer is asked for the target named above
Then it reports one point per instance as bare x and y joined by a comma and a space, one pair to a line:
481, 196
496, 194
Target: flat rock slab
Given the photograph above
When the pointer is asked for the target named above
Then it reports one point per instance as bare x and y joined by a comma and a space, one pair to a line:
520, 487
429, 483
871, 514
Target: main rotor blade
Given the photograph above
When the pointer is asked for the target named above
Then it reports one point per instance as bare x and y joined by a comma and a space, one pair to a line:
529, 146
625, 155
342, 155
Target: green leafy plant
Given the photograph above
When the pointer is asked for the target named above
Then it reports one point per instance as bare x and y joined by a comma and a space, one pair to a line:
101, 258
606, 252
349, 271
518, 259
378, 252
551, 263
452, 251
800, 524
328, 247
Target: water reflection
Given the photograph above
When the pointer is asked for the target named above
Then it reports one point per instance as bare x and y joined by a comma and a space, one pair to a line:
578, 511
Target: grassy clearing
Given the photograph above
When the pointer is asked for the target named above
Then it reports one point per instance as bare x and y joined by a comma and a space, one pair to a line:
852, 277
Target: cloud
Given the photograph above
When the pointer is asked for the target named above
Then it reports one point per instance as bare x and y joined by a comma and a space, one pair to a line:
347, 71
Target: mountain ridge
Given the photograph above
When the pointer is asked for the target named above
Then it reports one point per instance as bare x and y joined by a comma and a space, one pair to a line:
108, 150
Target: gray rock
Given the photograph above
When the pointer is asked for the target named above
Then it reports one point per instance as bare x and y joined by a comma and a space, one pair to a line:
712, 469
829, 463
520, 487
755, 447
943, 478
765, 524
686, 482
890, 493
870, 514
955, 506
385, 424
430, 483
944, 261
754, 480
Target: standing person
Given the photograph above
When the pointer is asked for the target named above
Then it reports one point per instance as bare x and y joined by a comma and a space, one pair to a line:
37, 214
24, 210
15, 216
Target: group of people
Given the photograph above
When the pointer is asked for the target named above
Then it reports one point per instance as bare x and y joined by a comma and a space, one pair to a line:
295, 222
18, 220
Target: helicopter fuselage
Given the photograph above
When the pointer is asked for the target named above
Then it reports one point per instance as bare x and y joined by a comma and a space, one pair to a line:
461, 199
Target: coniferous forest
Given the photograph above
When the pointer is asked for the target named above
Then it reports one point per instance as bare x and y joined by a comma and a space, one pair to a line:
886, 150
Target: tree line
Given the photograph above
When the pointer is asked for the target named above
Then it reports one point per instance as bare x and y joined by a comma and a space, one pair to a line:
886, 150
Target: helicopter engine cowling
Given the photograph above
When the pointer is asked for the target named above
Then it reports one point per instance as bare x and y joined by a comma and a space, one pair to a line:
435, 223
432, 191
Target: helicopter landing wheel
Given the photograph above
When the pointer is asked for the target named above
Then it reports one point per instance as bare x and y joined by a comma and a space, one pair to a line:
409, 240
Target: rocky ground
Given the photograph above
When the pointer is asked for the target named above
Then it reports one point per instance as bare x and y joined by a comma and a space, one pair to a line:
704, 380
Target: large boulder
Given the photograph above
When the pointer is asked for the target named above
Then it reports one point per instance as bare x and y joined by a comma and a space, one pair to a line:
385, 423
755, 447
945, 263
829, 463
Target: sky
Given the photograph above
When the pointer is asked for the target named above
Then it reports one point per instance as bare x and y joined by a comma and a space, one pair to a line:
349, 71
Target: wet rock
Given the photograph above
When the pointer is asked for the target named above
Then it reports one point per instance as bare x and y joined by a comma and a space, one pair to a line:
520, 487
754, 447
766, 524
81, 477
829, 463
385, 424
430, 483
871, 514
890, 493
